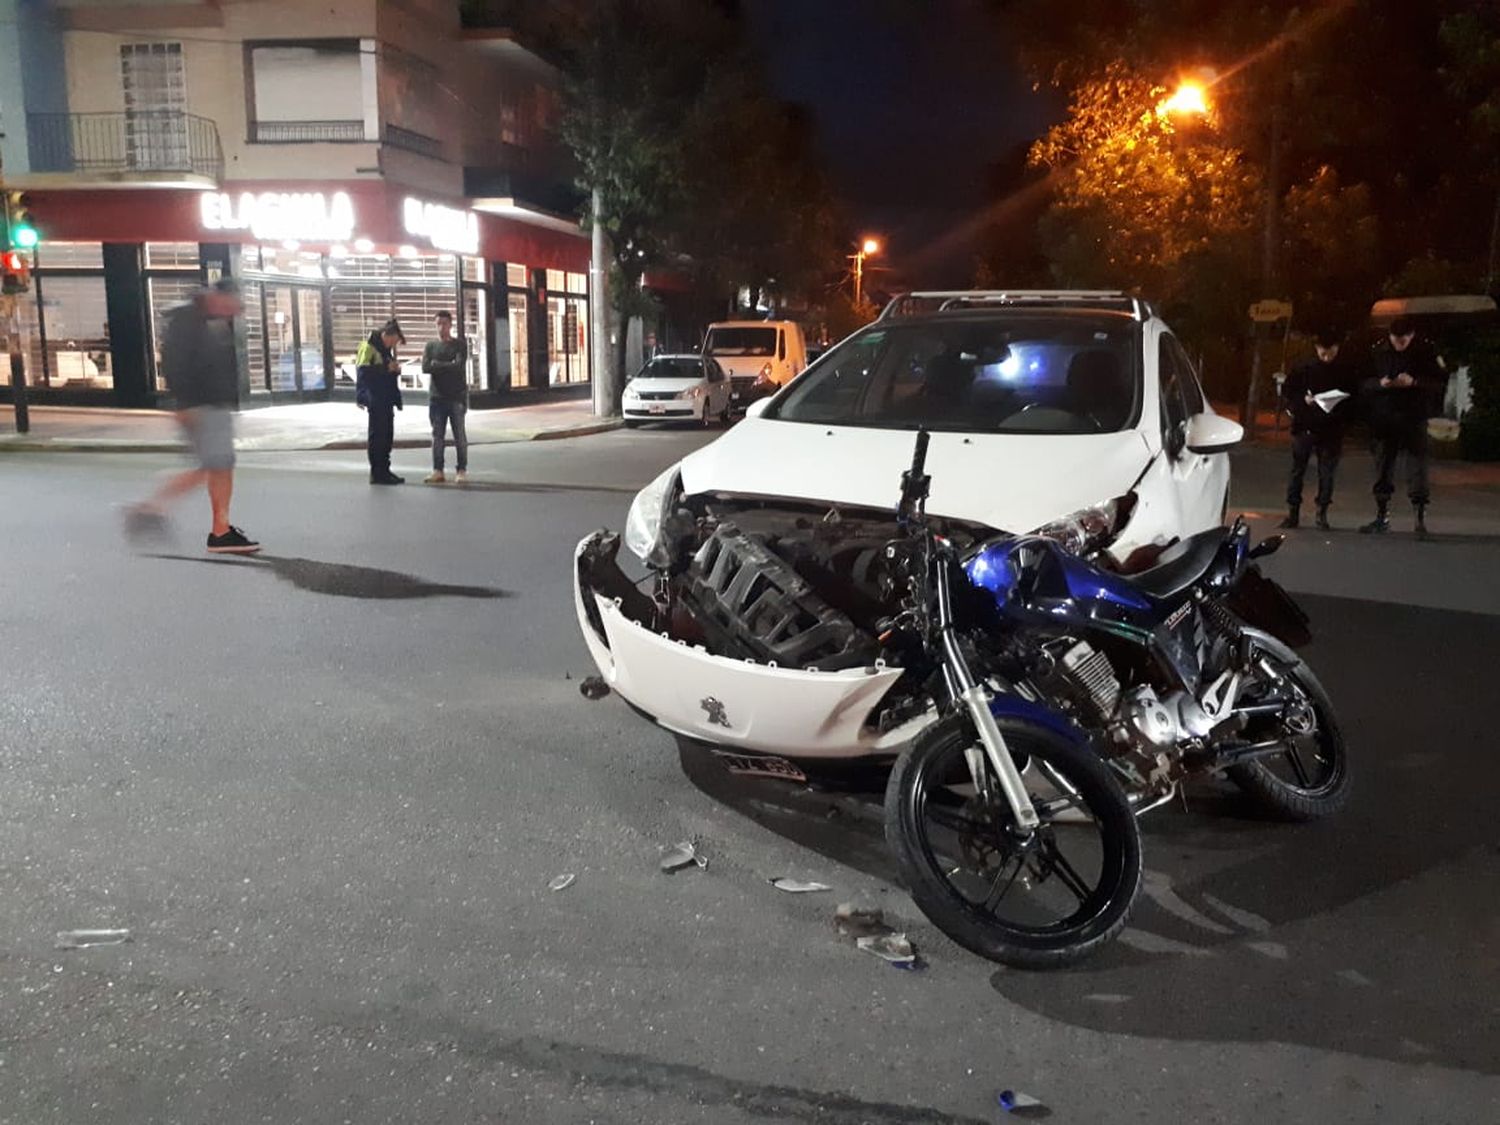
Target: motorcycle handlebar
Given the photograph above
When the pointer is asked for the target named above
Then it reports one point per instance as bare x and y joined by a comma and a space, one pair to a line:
914, 481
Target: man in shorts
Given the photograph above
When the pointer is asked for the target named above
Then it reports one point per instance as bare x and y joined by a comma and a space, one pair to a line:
198, 362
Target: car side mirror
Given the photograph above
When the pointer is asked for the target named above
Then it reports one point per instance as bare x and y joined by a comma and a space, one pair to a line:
1210, 433
757, 408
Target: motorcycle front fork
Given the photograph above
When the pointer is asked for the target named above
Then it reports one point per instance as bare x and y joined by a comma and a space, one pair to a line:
975, 698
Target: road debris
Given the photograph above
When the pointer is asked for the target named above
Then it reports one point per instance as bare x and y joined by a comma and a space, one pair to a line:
594, 688
1021, 1105
83, 939
562, 882
681, 855
859, 921
890, 947
797, 886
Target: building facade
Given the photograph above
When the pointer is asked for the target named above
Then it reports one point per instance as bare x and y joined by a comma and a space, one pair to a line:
347, 162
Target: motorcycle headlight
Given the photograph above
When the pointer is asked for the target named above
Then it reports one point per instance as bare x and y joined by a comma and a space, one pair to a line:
1089, 529
643, 524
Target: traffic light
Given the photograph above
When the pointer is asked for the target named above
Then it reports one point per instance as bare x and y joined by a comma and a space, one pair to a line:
15, 272
20, 233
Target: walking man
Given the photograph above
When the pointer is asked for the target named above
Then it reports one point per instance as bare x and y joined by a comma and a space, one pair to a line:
377, 391
1407, 382
1318, 393
199, 364
448, 397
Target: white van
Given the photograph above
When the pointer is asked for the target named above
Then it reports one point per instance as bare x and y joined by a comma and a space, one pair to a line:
760, 356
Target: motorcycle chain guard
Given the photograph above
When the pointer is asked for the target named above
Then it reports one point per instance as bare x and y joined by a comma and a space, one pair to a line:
752, 604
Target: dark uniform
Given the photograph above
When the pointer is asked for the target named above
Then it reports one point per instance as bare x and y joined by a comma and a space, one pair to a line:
1398, 422
1315, 430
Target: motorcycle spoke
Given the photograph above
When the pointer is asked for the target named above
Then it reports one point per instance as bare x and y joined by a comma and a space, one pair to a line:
1294, 759
955, 821
1066, 873
997, 893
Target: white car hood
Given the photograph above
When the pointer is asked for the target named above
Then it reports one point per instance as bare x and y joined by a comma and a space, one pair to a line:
642, 383
1008, 482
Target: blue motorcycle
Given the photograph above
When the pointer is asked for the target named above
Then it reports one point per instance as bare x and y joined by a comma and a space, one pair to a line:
1070, 699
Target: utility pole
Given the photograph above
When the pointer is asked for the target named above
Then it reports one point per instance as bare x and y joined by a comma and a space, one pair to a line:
605, 396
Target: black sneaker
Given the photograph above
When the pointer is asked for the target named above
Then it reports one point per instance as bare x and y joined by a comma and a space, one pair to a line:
143, 524
232, 542
386, 478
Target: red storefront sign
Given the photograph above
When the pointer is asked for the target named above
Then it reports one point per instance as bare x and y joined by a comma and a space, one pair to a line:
378, 213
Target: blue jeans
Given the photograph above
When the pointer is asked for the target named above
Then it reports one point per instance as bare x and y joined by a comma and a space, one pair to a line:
442, 414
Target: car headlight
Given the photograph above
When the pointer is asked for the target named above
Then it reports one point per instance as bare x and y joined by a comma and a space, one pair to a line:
1089, 529
643, 524
691, 392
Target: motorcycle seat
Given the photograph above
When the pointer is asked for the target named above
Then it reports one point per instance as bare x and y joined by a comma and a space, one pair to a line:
1180, 565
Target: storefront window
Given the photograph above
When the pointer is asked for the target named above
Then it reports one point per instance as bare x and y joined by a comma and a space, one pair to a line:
519, 356
476, 336
567, 327
172, 255
75, 328
70, 256
516, 276
473, 269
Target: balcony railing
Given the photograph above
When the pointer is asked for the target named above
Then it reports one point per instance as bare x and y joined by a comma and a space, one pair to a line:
113, 145
305, 132
419, 143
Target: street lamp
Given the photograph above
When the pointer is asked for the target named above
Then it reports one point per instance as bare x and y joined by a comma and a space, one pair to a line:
1190, 99
867, 247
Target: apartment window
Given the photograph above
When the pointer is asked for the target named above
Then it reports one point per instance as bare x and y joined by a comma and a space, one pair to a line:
154, 82
310, 91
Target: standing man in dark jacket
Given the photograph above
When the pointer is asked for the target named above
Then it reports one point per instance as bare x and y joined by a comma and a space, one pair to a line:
448, 397
1400, 396
201, 369
1318, 393
377, 391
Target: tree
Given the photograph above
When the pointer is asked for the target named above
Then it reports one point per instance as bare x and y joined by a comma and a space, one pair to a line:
1144, 203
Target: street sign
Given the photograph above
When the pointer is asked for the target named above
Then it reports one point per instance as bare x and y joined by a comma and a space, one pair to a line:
1269, 312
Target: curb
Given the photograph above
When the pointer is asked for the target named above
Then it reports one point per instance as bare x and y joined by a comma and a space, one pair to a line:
105, 445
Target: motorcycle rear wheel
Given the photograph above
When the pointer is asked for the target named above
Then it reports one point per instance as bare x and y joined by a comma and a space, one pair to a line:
992, 892
1311, 778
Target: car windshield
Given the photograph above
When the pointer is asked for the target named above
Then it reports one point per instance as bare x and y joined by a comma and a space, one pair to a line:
741, 341
672, 369
1039, 374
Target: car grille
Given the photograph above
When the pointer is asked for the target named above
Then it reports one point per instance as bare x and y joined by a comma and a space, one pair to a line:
656, 396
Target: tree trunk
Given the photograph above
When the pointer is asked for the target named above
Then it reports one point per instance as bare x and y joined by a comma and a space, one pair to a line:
605, 373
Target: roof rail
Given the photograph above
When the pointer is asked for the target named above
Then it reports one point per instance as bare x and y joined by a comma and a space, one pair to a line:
948, 299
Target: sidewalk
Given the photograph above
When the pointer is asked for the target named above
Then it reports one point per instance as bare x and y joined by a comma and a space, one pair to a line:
307, 426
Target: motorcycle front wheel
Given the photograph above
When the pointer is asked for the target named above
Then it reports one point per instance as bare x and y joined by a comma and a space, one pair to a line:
1037, 900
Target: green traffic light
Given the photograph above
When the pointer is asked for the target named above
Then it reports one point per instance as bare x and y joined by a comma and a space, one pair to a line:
24, 237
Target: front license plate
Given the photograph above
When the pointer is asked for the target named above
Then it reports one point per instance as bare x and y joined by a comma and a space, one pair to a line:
754, 765
657, 408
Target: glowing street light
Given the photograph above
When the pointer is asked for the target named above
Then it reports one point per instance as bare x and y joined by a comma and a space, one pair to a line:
867, 247
1190, 99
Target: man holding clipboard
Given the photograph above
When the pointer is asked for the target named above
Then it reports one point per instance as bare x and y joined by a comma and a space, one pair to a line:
1317, 397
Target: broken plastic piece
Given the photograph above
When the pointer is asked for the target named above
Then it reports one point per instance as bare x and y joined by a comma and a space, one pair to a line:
889, 947
1021, 1105
859, 921
594, 688
681, 855
562, 882
797, 886
82, 939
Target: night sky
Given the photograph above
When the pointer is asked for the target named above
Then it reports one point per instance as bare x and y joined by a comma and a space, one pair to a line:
914, 100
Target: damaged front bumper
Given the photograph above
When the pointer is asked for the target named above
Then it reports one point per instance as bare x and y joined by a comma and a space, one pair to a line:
738, 704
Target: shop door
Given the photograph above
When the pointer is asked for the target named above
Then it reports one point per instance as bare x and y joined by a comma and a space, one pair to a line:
295, 343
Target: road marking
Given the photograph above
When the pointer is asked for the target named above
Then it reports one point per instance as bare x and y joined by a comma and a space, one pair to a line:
1108, 997
1272, 949
1354, 976
1147, 942
1159, 887
1243, 918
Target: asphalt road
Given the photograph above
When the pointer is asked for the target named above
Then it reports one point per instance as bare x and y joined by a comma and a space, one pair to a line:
326, 790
